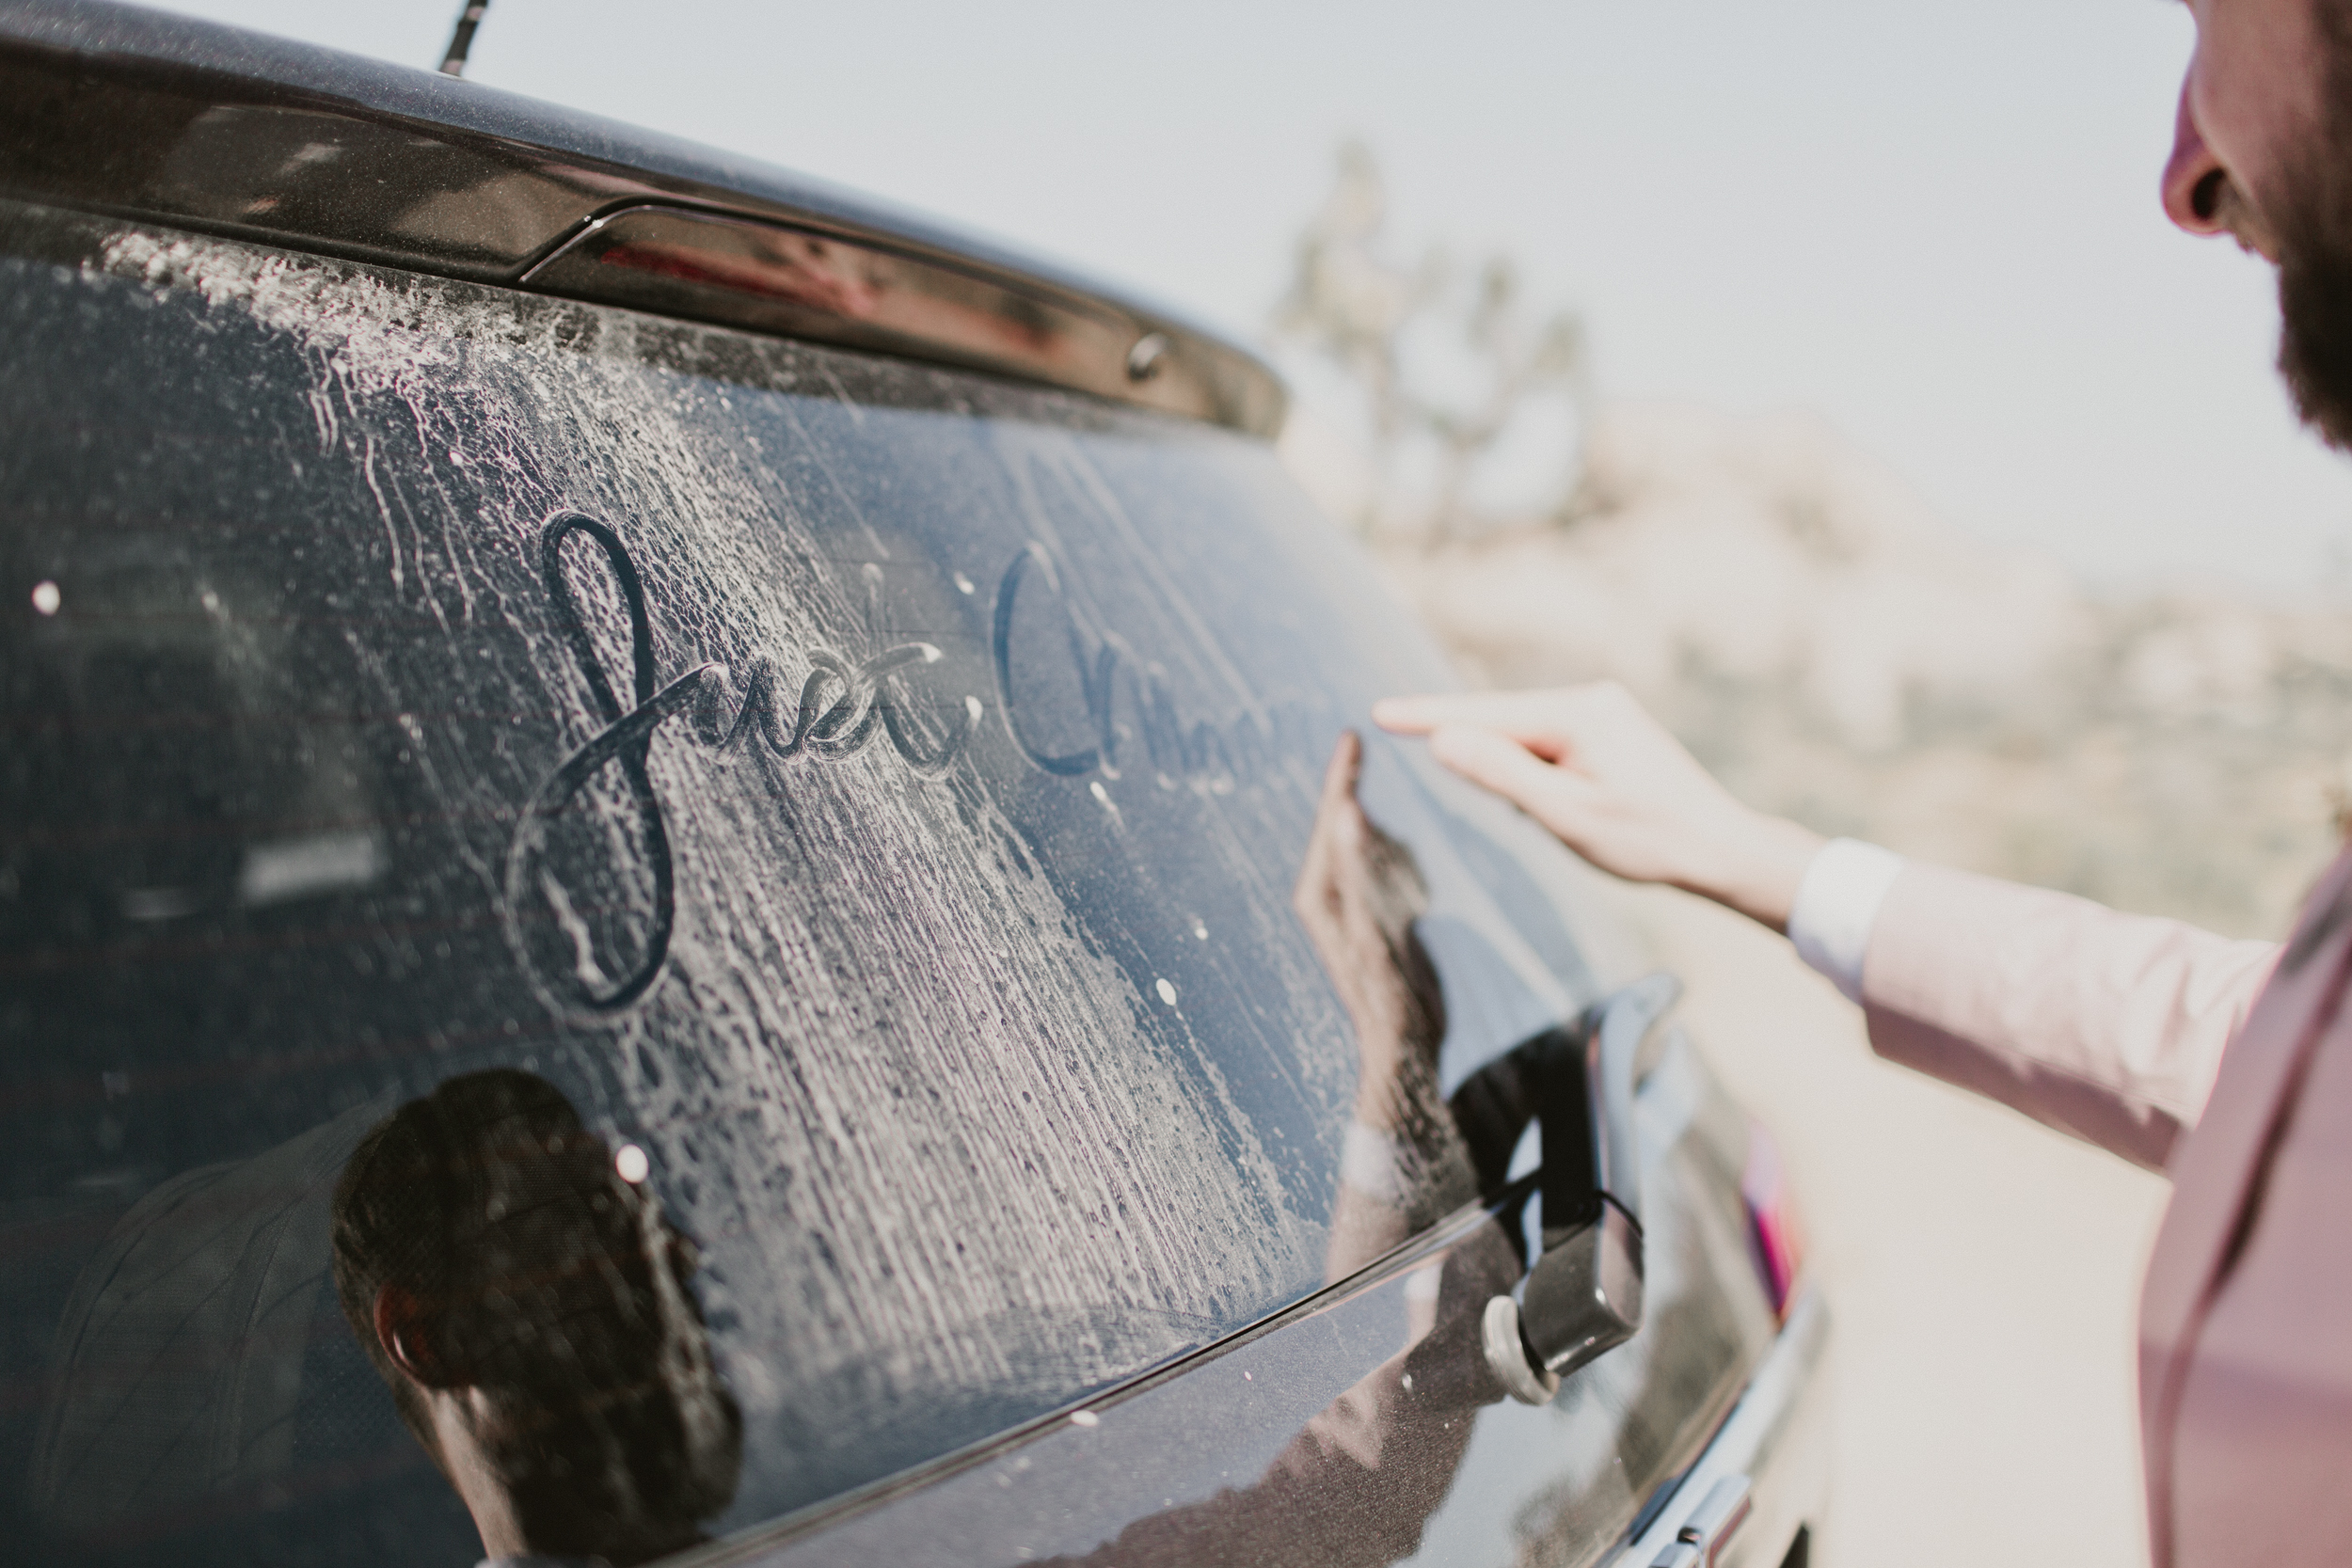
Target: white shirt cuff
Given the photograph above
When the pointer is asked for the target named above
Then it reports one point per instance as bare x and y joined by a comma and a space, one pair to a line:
1837, 905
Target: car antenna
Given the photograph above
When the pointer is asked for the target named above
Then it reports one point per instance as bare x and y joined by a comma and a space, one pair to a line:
461, 41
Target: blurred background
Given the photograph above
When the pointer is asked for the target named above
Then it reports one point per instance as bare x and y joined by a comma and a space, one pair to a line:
1825, 372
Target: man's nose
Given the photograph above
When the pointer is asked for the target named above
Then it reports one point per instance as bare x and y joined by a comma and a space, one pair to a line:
2194, 179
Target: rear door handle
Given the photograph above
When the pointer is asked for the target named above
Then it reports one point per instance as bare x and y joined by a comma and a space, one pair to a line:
1583, 1295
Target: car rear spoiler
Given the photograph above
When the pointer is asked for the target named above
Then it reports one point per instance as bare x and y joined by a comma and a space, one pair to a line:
136, 114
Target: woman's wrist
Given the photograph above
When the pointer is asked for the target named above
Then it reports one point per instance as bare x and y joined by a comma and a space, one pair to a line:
1757, 866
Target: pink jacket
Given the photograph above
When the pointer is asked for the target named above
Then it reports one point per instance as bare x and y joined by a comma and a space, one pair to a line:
2228, 1064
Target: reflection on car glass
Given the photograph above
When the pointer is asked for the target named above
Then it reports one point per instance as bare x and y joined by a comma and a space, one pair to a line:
522, 1292
180, 1354
1381, 1457
1384, 1454
179, 676
1359, 894
507, 1274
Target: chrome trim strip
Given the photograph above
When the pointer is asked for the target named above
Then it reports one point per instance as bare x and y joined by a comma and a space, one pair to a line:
1748, 1435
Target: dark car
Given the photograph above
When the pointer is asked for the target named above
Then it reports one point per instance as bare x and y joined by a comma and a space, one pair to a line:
685, 869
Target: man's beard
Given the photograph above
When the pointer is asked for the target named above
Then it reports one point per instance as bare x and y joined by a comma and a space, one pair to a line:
2315, 238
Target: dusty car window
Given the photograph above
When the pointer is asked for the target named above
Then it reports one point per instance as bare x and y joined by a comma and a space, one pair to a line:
786, 860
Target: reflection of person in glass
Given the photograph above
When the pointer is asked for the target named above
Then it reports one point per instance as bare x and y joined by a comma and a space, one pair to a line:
1381, 1456
1358, 894
526, 1300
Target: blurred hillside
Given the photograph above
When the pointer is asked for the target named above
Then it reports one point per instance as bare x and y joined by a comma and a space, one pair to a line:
1815, 635
1793, 610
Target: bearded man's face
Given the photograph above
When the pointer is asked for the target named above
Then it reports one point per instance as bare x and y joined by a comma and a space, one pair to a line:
2313, 223
2263, 152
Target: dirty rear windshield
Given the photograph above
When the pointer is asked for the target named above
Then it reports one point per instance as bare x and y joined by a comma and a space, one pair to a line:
781, 863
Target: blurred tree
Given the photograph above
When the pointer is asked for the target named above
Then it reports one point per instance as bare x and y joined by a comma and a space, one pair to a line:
1444, 371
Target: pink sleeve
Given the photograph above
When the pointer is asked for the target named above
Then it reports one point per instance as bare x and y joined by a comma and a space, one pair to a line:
2109, 1027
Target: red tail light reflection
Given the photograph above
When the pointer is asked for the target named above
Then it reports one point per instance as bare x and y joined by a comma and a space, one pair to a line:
1772, 1228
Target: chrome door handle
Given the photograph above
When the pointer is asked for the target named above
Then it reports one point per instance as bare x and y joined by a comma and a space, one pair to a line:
1583, 1295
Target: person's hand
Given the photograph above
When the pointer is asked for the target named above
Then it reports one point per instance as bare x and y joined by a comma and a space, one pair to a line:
1589, 762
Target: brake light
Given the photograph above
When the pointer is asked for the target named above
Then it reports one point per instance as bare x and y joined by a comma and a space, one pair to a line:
1773, 1230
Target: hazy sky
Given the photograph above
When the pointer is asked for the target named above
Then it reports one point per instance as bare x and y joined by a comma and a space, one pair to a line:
1935, 224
